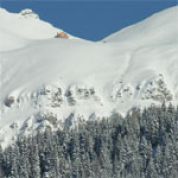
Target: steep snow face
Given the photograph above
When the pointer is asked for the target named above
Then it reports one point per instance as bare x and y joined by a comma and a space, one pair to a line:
17, 30
161, 28
57, 82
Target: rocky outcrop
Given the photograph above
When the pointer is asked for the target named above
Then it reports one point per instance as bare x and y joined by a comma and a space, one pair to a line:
62, 35
78, 92
56, 105
28, 13
9, 101
122, 91
157, 90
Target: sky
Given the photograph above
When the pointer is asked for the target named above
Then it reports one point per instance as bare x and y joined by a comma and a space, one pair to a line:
90, 19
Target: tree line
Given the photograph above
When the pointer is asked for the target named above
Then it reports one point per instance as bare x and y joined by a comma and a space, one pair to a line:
142, 144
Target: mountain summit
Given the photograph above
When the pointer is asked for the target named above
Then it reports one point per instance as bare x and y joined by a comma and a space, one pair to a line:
50, 82
19, 29
28, 13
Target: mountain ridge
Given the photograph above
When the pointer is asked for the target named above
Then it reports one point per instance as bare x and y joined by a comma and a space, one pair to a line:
157, 23
14, 36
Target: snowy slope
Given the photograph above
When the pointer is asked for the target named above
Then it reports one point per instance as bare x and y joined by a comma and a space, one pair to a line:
16, 30
58, 82
158, 29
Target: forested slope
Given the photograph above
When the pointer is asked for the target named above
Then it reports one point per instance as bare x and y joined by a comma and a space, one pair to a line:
140, 145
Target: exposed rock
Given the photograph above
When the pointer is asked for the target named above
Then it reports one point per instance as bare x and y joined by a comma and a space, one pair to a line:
156, 89
70, 97
51, 94
62, 35
14, 125
122, 90
28, 13
80, 92
9, 101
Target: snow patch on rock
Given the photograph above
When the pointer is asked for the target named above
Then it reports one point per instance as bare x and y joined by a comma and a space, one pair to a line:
28, 13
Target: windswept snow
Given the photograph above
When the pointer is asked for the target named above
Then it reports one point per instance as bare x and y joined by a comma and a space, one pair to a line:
45, 80
159, 29
18, 30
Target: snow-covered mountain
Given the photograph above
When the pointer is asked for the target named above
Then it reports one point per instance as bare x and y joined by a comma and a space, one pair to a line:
18, 30
46, 81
